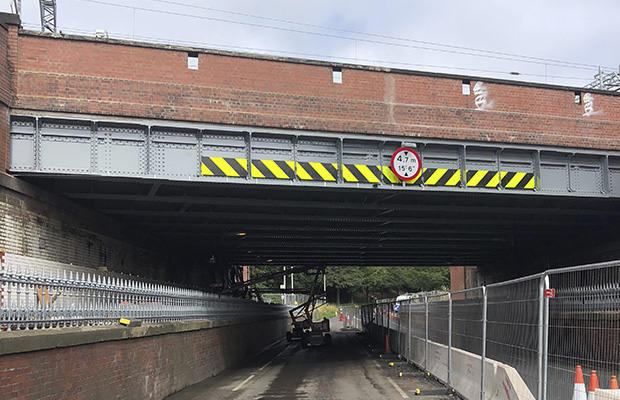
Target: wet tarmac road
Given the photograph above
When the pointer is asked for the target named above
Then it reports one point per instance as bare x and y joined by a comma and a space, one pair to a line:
349, 369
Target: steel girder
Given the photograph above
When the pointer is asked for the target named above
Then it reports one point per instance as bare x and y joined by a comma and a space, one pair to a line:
201, 153
180, 182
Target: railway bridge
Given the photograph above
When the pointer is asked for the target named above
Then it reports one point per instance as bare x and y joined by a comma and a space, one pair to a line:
177, 163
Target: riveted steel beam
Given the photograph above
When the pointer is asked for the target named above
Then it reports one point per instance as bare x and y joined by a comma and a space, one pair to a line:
254, 156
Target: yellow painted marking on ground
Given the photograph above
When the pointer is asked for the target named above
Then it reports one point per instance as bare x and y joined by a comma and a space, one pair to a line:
515, 180
224, 166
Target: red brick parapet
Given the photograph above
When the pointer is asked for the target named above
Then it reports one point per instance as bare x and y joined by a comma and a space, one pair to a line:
104, 77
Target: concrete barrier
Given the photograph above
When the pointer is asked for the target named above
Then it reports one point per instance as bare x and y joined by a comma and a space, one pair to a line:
606, 394
502, 382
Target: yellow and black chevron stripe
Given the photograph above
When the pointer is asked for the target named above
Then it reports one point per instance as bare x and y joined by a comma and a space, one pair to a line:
430, 177
509, 180
359, 173
270, 169
221, 166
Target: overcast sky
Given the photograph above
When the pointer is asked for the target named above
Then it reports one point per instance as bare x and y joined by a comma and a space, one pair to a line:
549, 41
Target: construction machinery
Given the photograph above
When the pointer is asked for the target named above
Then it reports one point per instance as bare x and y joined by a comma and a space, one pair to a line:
304, 328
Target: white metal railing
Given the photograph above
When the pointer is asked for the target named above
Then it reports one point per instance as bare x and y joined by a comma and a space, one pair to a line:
41, 299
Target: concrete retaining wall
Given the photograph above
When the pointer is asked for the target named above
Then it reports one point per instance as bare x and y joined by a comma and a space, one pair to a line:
147, 362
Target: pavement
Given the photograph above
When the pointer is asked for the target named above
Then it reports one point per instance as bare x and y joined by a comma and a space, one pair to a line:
352, 368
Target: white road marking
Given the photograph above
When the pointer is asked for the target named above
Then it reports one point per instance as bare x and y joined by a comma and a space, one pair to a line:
239, 386
265, 366
280, 353
377, 364
398, 388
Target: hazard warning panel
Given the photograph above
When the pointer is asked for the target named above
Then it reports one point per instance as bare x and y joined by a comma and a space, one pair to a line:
406, 164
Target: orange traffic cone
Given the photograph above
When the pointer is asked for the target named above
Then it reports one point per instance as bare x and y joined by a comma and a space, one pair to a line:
387, 345
579, 393
593, 385
613, 384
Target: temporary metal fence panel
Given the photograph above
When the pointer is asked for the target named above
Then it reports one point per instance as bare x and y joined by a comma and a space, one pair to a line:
583, 326
402, 341
467, 315
535, 329
40, 299
467, 330
438, 333
512, 329
438, 318
417, 315
352, 317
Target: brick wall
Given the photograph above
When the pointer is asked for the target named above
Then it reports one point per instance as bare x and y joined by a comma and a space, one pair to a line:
106, 77
41, 225
457, 279
151, 367
8, 51
39, 236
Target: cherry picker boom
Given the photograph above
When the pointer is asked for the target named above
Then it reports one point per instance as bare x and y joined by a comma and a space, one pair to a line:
304, 328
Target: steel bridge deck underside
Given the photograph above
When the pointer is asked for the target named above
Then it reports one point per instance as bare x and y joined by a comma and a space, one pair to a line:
259, 196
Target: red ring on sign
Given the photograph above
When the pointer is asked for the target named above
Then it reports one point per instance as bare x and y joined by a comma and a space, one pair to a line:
402, 178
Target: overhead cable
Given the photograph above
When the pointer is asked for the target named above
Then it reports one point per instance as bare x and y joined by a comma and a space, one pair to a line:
448, 48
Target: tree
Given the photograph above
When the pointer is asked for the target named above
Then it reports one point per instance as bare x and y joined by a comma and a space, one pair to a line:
344, 278
362, 283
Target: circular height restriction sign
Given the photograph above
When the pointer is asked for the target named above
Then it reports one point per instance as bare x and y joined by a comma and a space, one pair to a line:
406, 164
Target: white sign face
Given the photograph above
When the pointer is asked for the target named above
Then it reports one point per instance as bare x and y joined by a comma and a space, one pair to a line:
406, 164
